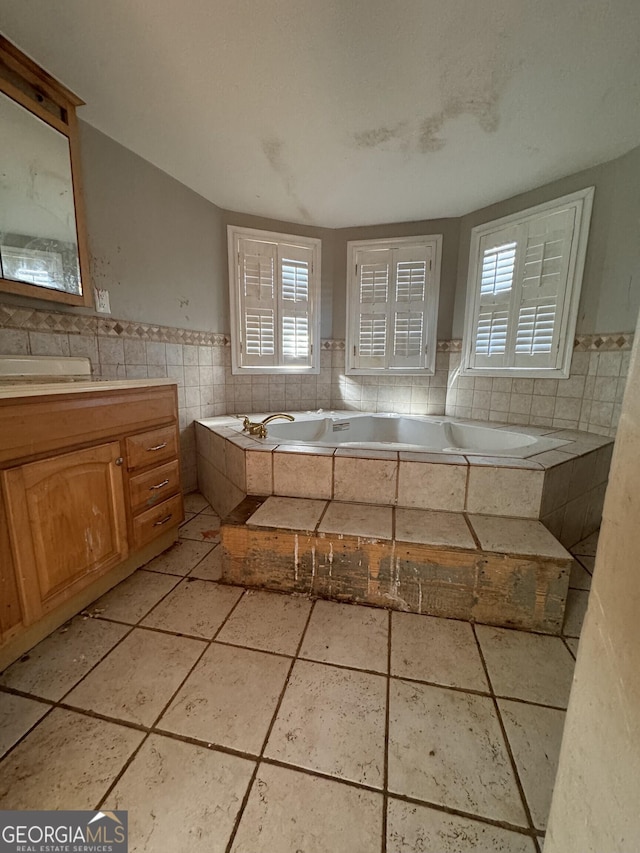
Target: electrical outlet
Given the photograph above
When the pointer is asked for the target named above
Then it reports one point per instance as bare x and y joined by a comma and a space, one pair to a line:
102, 301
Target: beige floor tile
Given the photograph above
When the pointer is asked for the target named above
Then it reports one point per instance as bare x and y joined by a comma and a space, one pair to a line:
83, 757
180, 558
443, 651
577, 603
432, 486
371, 522
504, 491
412, 828
195, 502
209, 568
573, 644
290, 513
292, 811
532, 667
588, 546
53, 667
349, 635
229, 699
446, 747
516, 536
187, 517
267, 621
580, 577
194, 607
210, 511
534, 735
202, 528
139, 677
17, 715
181, 798
588, 562
302, 475
433, 528
134, 597
332, 720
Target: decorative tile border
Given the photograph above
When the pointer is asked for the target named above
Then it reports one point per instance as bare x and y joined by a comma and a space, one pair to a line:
601, 343
39, 320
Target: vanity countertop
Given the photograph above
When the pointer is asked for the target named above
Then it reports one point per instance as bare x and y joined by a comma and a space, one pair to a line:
14, 391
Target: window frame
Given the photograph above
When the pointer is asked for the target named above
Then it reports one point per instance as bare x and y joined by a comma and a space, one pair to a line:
582, 203
432, 297
235, 233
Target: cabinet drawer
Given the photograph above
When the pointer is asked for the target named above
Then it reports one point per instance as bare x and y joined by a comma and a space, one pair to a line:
153, 522
151, 447
149, 489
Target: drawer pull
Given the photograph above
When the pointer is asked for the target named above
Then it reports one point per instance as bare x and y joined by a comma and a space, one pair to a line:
163, 520
157, 447
159, 485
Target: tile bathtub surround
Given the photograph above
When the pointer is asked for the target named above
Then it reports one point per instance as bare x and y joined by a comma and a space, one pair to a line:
565, 487
432, 749
200, 363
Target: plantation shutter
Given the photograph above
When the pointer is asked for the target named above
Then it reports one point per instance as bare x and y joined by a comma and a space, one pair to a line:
294, 304
411, 266
546, 253
258, 303
373, 275
495, 285
521, 286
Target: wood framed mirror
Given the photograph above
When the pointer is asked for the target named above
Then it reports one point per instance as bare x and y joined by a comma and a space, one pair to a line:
43, 246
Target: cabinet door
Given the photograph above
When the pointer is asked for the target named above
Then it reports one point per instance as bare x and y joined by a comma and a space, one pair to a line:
67, 524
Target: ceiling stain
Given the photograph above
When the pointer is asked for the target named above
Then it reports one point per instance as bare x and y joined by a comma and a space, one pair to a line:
378, 136
272, 149
485, 110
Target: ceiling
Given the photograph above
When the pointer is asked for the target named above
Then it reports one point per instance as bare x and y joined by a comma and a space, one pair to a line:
354, 112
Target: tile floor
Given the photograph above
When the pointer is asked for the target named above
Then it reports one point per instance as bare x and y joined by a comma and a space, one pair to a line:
247, 721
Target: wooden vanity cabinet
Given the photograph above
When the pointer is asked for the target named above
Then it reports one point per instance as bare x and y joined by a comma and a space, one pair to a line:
89, 491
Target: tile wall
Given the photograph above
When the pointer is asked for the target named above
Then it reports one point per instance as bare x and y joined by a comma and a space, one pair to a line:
200, 362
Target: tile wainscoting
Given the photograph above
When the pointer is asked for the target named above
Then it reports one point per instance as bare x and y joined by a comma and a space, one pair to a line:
200, 362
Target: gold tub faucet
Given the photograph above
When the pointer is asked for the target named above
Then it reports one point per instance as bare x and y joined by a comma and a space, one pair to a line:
260, 428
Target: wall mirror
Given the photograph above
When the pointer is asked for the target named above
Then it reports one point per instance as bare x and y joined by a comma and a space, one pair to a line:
42, 238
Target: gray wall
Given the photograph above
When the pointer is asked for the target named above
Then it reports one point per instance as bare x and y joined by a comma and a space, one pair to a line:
610, 296
154, 244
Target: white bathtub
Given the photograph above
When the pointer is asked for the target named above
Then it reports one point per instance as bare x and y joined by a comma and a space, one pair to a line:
407, 432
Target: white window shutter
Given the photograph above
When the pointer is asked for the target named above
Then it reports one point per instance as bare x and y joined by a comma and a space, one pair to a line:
496, 276
294, 303
258, 304
411, 273
546, 253
373, 276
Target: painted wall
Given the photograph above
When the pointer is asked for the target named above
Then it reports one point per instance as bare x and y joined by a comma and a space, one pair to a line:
154, 244
595, 802
610, 296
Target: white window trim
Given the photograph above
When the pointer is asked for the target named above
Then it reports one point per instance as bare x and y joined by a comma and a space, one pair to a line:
582, 201
236, 233
431, 319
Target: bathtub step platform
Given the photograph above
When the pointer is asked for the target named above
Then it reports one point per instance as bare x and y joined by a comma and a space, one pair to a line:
509, 572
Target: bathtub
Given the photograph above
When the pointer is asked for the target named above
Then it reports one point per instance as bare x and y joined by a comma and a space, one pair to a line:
406, 432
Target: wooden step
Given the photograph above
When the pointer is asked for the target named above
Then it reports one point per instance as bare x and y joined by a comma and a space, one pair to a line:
510, 572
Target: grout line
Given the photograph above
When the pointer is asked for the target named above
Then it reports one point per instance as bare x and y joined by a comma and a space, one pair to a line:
151, 730
512, 760
571, 652
245, 799
385, 778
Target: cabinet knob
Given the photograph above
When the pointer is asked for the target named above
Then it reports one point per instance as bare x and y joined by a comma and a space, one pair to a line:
119, 460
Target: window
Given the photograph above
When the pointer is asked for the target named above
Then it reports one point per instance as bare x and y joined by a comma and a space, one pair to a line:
392, 305
525, 274
274, 282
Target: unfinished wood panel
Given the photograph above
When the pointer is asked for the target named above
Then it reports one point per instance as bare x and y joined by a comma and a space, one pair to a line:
151, 488
36, 427
496, 589
67, 524
151, 448
153, 522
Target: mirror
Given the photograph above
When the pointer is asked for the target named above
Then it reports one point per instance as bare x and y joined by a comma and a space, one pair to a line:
41, 253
